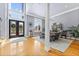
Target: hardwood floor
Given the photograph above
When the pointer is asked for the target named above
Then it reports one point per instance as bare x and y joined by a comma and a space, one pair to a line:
32, 47
73, 50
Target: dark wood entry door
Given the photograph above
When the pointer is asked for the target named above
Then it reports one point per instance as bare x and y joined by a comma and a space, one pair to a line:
16, 28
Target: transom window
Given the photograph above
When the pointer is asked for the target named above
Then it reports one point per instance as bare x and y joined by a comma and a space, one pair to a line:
16, 6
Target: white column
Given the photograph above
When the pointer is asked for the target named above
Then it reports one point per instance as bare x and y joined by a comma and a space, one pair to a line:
47, 38
6, 22
25, 19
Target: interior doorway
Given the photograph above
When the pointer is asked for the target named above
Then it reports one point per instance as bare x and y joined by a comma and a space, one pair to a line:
36, 26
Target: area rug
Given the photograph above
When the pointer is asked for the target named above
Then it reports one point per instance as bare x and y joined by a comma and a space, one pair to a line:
61, 44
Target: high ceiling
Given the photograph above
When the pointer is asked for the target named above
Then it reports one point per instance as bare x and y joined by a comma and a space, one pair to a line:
36, 8
55, 8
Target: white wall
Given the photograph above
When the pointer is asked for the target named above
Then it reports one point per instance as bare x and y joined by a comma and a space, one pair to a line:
36, 8
67, 19
29, 20
4, 22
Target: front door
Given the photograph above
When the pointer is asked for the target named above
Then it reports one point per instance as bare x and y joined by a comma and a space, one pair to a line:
16, 28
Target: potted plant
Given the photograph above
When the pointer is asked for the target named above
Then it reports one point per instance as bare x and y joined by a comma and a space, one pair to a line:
75, 30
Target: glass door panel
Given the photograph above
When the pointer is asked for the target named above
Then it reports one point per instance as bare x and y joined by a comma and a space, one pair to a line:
21, 28
12, 28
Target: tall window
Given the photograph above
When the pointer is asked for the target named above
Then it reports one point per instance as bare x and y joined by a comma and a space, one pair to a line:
16, 6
